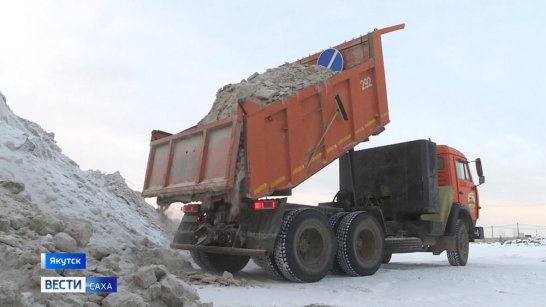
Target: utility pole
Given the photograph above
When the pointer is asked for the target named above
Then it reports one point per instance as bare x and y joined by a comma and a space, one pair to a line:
517, 225
492, 236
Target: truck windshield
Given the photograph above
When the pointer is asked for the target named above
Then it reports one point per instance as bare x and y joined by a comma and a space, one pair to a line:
462, 170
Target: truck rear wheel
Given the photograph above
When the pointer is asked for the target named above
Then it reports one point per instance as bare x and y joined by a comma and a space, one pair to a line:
361, 244
196, 256
218, 263
268, 264
305, 246
459, 256
335, 220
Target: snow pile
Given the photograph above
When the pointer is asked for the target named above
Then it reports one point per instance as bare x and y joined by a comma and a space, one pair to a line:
273, 85
225, 280
536, 241
47, 204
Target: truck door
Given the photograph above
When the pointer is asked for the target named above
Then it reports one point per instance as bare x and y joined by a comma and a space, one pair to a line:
465, 187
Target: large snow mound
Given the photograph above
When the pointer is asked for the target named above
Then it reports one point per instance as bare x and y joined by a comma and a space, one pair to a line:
48, 204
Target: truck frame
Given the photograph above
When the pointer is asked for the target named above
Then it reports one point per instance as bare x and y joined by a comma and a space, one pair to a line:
232, 176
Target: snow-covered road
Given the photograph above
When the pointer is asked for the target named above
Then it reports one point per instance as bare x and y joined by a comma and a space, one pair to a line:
496, 275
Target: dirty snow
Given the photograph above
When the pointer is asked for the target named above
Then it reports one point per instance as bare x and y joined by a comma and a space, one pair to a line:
273, 85
48, 204
496, 275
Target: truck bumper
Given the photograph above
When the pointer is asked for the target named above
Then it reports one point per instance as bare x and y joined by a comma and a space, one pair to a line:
222, 250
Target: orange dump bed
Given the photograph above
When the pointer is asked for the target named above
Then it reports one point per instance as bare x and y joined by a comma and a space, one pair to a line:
285, 142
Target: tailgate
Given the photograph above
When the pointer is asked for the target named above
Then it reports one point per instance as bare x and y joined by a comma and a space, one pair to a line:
198, 159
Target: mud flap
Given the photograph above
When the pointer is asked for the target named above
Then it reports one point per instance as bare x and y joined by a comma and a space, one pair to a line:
185, 234
444, 243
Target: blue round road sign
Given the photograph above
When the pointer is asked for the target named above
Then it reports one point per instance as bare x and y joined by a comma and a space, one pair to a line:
332, 59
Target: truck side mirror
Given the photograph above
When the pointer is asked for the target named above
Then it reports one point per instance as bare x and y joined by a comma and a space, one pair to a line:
479, 170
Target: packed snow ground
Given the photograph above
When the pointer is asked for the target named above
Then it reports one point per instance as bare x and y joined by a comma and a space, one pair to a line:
496, 275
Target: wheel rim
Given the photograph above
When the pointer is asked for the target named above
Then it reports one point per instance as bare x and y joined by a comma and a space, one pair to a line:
363, 241
310, 247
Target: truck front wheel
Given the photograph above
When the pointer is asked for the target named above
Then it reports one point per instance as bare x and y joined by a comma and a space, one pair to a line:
361, 244
218, 263
305, 246
387, 258
459, 256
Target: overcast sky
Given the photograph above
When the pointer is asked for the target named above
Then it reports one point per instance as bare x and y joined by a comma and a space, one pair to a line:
102, 74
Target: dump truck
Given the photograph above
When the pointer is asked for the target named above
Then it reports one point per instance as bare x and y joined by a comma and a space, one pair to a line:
233, 177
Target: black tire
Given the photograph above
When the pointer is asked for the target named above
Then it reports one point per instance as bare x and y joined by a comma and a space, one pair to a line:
386, 258
361, 244
459, 256
268, 264
305, 246
260, 261
218, 263
196, 256
335, 220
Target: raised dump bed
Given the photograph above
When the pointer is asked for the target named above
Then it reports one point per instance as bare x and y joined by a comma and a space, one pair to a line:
282, 143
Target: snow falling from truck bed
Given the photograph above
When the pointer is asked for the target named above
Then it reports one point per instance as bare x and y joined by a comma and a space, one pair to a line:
48, 204
273, 85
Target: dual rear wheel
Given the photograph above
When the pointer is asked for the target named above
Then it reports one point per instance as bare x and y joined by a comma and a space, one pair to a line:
309, 246
360, 244
305, 246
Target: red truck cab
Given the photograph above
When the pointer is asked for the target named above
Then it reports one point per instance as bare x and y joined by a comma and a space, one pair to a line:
454, 171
